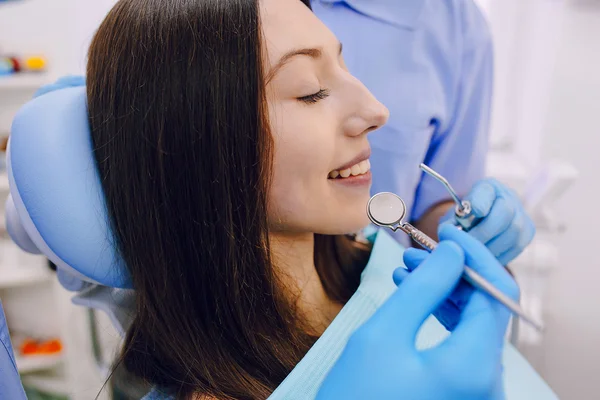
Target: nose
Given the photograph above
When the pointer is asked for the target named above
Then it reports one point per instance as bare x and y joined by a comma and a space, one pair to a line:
366, 112
376, 114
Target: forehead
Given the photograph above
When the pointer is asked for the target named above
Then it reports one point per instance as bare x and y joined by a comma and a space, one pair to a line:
288, 25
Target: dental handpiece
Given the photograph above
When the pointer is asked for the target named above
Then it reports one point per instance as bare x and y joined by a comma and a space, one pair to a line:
463, 211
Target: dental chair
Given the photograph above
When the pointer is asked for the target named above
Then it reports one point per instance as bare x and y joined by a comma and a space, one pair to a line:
56, 208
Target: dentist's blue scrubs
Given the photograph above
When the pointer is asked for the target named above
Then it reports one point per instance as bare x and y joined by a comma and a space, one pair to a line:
430, 62
10, 381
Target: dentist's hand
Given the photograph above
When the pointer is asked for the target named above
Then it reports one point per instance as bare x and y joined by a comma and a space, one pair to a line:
505, 228
380, 360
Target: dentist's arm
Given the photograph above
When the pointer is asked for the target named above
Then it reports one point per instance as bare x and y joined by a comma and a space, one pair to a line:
458, 148
380, 360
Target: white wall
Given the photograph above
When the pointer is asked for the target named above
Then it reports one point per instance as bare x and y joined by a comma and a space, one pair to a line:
60, 29
548, 100
572, 133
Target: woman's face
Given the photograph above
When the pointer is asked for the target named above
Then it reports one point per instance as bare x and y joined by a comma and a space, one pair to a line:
320, 116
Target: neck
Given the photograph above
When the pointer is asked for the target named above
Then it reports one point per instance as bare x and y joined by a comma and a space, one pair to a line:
294, 260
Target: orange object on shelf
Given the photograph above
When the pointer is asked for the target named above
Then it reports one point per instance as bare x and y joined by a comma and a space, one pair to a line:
50, 347
28, 346
33, 347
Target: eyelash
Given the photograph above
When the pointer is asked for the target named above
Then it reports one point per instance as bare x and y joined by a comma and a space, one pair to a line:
315, 97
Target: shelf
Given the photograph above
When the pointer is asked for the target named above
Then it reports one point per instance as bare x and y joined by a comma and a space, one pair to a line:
24, 81
47, 383
18, 268
36, 363
22, 276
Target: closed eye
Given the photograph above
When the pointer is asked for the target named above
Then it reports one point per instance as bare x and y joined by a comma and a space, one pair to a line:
315, 97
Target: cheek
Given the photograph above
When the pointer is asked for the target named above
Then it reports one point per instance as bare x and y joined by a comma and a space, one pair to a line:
302, 156
301, 198
299, 204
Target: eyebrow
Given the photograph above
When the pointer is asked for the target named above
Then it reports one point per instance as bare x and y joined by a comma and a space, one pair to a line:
314, 53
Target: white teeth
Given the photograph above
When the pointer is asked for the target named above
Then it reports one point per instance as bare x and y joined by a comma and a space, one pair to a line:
364, 166
345, 173
357, 169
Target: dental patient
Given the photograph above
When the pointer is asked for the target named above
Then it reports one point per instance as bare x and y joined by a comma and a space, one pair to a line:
232, 145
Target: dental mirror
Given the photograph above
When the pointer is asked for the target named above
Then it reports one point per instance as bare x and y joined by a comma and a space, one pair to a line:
386, 209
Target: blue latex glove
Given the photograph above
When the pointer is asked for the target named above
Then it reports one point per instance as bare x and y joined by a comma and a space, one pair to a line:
380, 360
61, 83
448, 313
505, 228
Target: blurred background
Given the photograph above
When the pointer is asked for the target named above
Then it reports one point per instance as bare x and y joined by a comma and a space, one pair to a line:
545, 143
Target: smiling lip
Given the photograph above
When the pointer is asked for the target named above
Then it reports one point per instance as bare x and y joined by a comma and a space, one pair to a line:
362, 156
363, 180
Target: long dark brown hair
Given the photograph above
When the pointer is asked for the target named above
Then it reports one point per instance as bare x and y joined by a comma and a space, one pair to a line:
176, 99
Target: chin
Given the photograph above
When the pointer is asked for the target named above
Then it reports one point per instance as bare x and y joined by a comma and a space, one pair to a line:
345, 226
353, 219
323, 216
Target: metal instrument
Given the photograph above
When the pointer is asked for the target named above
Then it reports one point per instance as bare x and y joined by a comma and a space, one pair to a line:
463, 210
388, 210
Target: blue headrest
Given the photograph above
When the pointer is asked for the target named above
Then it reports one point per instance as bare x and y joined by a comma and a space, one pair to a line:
56, 204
